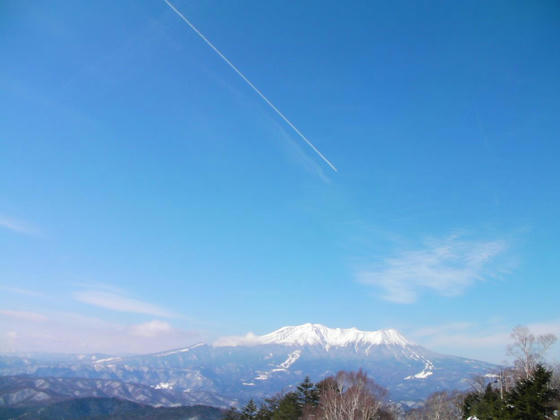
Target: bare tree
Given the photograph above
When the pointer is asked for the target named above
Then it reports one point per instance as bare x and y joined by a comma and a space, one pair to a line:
528, 350
555, 380
439, 406
478, 383
446, 405
350, 396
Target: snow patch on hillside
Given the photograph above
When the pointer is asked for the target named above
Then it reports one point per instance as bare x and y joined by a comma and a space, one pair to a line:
108, 359
282, 367
183, 350
424, 373
291, 359
163, 385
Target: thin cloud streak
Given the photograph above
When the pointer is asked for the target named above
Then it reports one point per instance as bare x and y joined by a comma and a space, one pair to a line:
23, 315
440, 329
153, 328
487, 341
17, 226
446, 267
120, 303
462, 335
75, 333
25, 292
248, 339
251, 85
466, 339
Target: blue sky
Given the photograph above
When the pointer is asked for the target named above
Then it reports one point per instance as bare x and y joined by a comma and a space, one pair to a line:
150, 198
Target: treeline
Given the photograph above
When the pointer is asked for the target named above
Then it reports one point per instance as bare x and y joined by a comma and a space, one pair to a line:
529, 390
347, 395
533, 398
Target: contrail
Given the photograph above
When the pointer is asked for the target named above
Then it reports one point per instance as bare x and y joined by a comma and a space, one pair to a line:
229, 63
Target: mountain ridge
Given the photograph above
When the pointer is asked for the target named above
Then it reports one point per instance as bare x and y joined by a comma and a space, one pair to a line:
234, 371
318, 334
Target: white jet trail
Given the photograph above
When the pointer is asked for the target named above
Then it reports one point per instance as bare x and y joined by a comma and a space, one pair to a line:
250, 84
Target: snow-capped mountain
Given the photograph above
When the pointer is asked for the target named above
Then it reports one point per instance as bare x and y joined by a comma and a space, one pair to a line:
235, 369
319, 335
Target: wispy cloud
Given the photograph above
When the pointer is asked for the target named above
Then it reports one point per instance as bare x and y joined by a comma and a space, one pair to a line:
117, 302
551, 327
446, 266
153, 328
23, 315
485, 341
467, 335
17, 226
470, 340
248, 339
442, 329
20, 291
63, 332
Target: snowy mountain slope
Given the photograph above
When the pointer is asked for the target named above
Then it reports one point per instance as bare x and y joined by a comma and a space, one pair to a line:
239, 368
19, 391
319, 335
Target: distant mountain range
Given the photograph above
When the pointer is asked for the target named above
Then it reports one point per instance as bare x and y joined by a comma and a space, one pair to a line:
108, 409
233, 370
25, 390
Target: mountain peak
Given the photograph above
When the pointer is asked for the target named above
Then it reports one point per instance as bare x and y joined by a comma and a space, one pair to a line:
316, 334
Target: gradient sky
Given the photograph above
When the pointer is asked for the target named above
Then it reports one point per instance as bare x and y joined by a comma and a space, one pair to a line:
150, 199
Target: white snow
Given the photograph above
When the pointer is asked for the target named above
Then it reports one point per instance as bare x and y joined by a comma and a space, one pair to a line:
282, 367
427, 371
108, 359
317, 334
163, 385
168, 353
292, 357
313, 334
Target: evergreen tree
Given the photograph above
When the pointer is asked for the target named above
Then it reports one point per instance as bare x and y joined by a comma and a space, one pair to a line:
470, 404
308, 394
288, 408
489, 405
249, 411
267, 409
532, 398
232, 414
